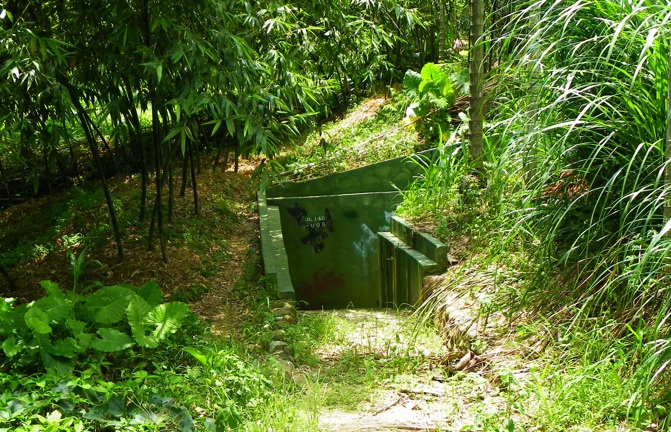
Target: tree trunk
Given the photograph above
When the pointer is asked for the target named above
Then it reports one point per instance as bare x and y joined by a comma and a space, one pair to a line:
137, 127
185, 166
86, 126
220, 145
171, 192
159, 184
5, 181
442, 34
199, 132
71, 150
476, 54
47, 171
107, 147
193, 178
154, 213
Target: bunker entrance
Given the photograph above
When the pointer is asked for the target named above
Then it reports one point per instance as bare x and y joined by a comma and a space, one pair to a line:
334, 242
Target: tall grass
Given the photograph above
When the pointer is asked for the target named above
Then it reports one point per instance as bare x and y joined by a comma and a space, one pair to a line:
436, 189
584, 113
575, 172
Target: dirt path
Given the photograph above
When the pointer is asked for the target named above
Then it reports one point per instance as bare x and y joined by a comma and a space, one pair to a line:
383, 370
415, 400
222, 307
227, 305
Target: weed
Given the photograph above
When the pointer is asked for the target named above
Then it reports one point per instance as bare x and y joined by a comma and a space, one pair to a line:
79, 265
54, 330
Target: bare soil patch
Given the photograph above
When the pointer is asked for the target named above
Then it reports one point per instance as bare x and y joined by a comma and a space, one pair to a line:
208, 255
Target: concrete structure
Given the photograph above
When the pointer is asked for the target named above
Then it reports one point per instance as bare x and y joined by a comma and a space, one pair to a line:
334, 242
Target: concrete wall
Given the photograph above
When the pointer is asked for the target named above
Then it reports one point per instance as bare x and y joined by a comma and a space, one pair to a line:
332, 247
330, 227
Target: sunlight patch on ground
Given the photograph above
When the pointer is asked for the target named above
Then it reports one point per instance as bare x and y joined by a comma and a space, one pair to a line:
381, 371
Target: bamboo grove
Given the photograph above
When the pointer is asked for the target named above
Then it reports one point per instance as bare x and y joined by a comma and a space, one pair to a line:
144, 86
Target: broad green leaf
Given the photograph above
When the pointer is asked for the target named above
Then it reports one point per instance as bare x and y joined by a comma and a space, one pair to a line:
37, 320
411, 81
439, 102
75, 326
432, 72
65, 348
167, 318
151, 293
56, 308
56, 365
138, 309
117, 406
109, 304
84, 339
182, 419
416, 110
198, 355
73, 297
52, 288
11, 348
447, 91
111, 340
425, 87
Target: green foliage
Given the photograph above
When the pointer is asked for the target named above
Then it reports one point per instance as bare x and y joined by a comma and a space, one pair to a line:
365, 139
574, 196
52, 331
232, 382
585, 133
433, 88
437, 191
581, 140
79, 265
178, 395
430, 93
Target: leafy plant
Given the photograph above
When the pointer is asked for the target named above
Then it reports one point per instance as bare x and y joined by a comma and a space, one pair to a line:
236, 384
52, 331
79, 265
437, 189
77, 403
430, 92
